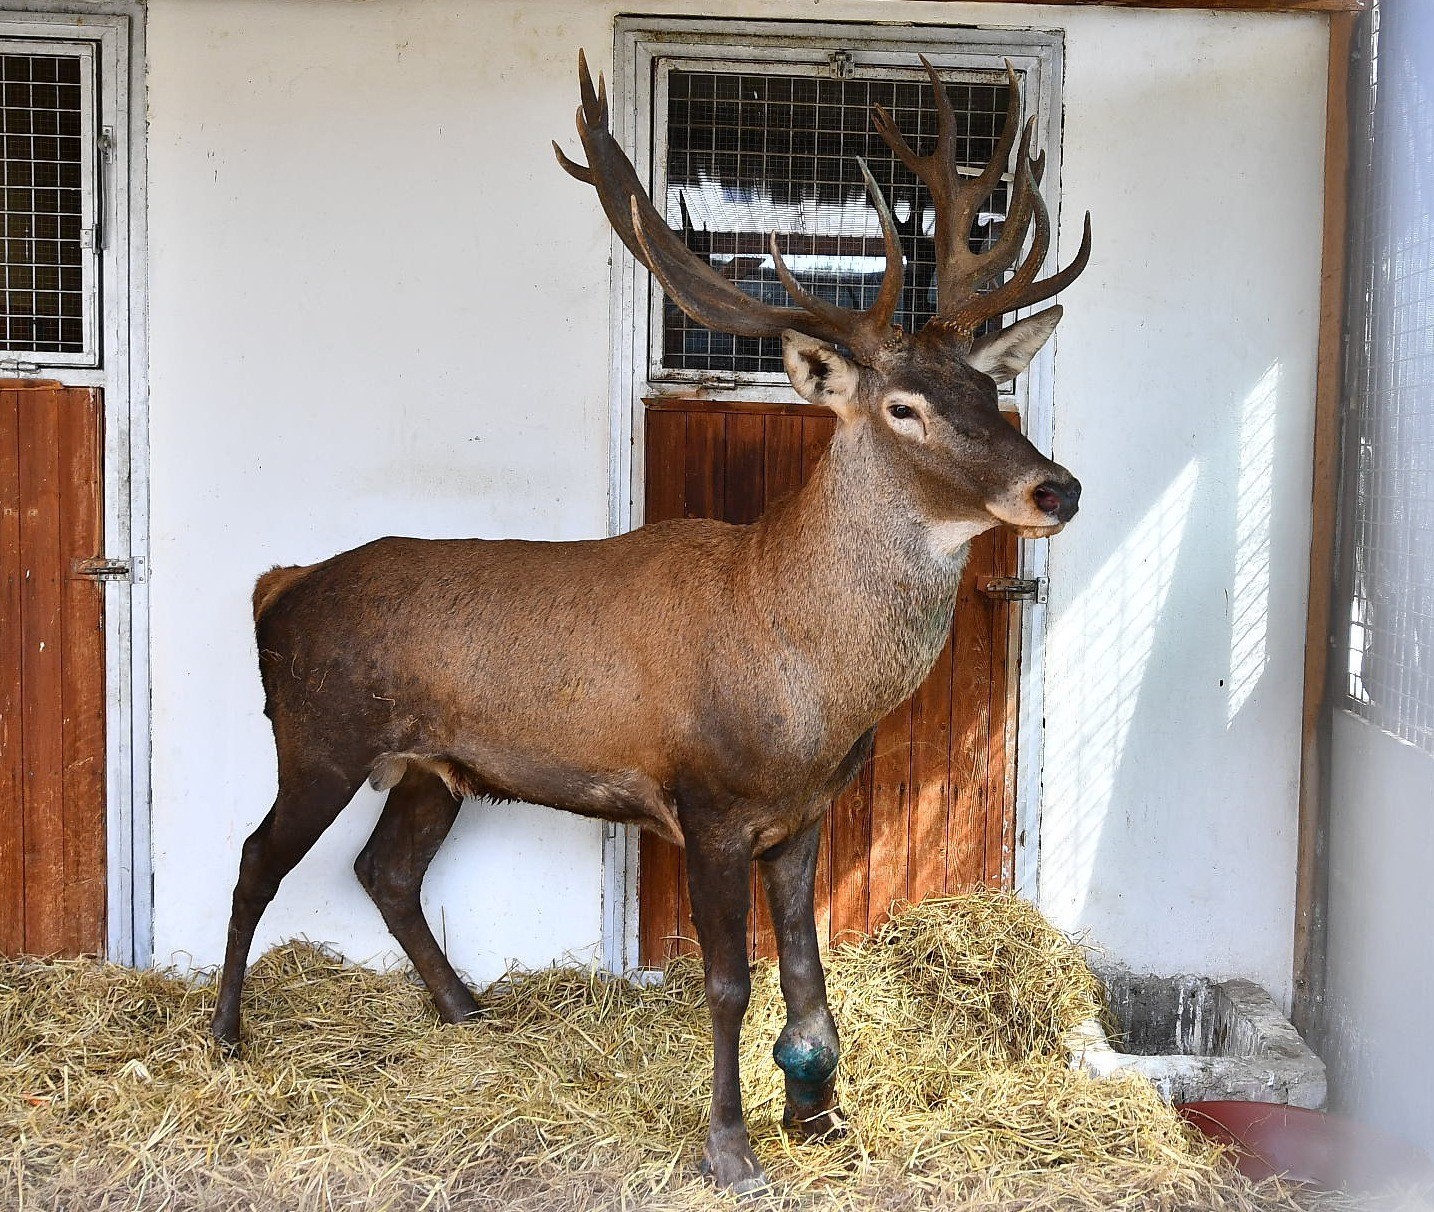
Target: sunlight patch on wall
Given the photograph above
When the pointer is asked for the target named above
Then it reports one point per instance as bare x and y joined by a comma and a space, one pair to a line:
1254, 504
1109, 632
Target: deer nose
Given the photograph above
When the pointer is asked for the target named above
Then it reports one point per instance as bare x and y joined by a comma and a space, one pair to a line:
1059, 499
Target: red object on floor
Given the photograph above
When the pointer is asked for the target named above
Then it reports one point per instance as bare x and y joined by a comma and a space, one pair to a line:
1308, 1146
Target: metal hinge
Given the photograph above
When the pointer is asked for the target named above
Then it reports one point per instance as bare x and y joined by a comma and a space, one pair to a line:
13, 366
1013, 589
99, 568
842, 63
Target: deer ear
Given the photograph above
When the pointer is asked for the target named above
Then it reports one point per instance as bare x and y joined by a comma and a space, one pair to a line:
1003, 355
819, 373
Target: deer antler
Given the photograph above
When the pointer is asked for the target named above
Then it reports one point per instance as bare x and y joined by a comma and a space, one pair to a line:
960, 273
691, 282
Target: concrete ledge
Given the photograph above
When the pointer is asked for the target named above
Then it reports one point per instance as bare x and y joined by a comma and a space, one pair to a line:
1199, 1039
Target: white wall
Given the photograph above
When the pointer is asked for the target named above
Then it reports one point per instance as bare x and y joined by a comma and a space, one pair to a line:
1184, 390
1380, 975
377, 306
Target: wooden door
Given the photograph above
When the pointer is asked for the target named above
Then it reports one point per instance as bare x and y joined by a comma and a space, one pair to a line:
52, 784
933, 811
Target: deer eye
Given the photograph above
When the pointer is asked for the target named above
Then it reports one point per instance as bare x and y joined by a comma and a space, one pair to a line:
901, 411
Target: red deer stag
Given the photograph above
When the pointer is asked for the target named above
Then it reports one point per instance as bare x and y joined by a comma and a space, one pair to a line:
715, 684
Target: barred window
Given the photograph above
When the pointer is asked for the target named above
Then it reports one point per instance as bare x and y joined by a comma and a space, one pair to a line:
48, 204
758, 148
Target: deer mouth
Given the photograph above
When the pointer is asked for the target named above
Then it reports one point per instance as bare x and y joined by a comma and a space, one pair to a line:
1039, 532
1022, 522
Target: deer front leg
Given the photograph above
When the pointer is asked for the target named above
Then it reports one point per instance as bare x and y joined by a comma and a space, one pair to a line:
717, 879
807, 1049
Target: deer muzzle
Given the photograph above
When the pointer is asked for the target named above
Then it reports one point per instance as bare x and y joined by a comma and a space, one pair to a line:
1058, 499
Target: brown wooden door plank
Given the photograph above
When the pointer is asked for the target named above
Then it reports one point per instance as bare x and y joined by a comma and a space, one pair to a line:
817, 433
851, 858
705, 474
42, 647
744, 495
782, 474
822, 900
666, 463
12, 799
685, 941
659, 887
706, 470
890, 814
82, 526
930, 781
970, 725
761, 934
1000, 766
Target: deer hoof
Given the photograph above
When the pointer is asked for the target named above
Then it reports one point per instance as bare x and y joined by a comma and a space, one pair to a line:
735, 1169
226, 1038
821, 1127
458, 1007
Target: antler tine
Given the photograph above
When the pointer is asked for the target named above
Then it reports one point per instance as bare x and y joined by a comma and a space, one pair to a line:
705, 295
997, 301
1024, 196
945, 115
888, 298
874, 323
1022, 289
594, 104
961, 273
886, 127
1038, 292
1001, 154
579, 171
689, 280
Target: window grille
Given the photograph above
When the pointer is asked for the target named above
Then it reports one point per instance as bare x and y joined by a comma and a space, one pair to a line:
1388, 544
47, 205
753, 151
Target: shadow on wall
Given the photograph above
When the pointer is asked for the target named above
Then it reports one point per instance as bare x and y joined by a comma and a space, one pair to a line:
1144, 682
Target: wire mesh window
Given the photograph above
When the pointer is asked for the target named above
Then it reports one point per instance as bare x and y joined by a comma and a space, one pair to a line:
46, 136
1389, 436
749, 153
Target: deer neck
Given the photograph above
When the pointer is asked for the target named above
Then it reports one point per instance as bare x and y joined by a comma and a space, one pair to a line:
857, 579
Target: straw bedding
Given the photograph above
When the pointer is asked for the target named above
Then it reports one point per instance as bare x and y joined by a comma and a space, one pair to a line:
579, 1091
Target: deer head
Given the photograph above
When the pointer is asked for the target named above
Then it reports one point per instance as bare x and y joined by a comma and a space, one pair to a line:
924, 403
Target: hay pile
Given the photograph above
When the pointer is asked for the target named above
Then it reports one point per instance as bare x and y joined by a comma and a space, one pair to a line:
580, 1091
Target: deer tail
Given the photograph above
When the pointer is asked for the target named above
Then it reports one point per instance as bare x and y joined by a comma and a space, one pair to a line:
273, 584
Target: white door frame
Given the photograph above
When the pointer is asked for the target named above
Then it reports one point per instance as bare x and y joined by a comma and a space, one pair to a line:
114, 29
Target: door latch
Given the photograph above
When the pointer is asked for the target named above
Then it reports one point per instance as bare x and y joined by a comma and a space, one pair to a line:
98, 568
1013, 589
841, 63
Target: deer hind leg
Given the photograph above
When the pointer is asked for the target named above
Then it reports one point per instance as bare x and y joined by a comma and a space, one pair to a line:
417, 817
807, 1048
310, 797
